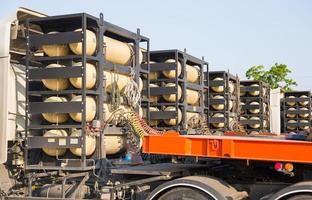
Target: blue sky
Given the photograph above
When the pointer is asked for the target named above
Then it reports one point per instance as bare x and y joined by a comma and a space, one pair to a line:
231, 35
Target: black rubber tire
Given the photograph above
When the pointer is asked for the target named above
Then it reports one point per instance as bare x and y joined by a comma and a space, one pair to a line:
300, 197
293, 192
206, 187
181, 193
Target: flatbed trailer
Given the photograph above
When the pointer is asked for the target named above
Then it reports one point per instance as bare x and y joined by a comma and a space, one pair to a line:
274, 149
276, 153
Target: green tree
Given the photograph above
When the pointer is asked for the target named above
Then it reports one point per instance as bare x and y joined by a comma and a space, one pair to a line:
277, 76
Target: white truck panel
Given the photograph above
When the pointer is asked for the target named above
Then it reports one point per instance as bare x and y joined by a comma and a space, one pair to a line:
12, 82
5, 124
275, 110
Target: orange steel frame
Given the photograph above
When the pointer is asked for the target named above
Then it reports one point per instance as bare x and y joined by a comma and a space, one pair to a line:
230, 147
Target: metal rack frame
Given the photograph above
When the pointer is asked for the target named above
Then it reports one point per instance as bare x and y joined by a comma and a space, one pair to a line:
35, 91
297, 111
179, 56
227, 77
136, 39
262, 98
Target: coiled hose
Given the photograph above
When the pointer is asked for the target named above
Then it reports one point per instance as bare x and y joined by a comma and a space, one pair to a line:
204, 126
140, 126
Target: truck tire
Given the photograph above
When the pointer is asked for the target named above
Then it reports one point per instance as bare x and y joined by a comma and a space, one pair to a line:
185, 193
298, 191
196, 188
301, 197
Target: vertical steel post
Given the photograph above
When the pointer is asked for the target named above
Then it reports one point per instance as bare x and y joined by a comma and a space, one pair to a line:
100, 86
84, 63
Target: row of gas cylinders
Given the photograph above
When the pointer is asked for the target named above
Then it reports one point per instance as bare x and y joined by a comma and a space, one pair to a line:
218, 106
195, 117
253, 93
301, 103
115, 51
63, 117
111, 77
91, 109
192, 72
294, 127
113, 143
220, 124
192, 96
255, 125
254, 110
304, 115
57, 118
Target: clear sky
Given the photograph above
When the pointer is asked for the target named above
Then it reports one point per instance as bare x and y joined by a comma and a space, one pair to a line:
230, 35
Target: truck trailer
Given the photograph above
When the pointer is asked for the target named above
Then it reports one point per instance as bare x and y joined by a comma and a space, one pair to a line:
60, 139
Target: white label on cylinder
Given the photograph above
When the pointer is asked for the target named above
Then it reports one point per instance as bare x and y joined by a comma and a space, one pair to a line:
51, 140
74, 141
62, 142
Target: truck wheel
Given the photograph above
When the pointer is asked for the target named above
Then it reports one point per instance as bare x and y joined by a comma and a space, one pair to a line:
298, 191
300, 197
195, 188
184, 193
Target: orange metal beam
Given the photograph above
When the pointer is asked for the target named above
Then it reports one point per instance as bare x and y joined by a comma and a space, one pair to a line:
230, 147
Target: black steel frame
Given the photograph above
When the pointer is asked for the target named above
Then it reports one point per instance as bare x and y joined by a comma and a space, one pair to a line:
139, 69
297, 111
227, 77
36, 92
262, 98
159, 58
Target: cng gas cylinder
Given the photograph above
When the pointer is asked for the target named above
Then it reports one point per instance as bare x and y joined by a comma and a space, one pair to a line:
90, 76
304, 103
173, 97
120, 52
291, 103
218, 125
290, 126
56, 84
173, 121
256, 125
152, 122
256, 110
254, 92
115, 78
90, 144
291, 115
153, 98
172, 73
90, 44
55, 117
218, 89
54, 151
90, 109
55, 49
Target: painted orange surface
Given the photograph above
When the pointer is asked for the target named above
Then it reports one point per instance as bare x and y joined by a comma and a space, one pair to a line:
231, 147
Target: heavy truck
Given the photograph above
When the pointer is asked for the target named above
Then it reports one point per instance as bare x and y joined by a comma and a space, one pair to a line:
175, 165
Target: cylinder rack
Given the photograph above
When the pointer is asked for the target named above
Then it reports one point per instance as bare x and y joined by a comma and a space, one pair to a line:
65, 32
255, 106
223, 101
170, 86
296, 112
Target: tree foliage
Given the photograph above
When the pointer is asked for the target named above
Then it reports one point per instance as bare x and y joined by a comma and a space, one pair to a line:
277, 76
